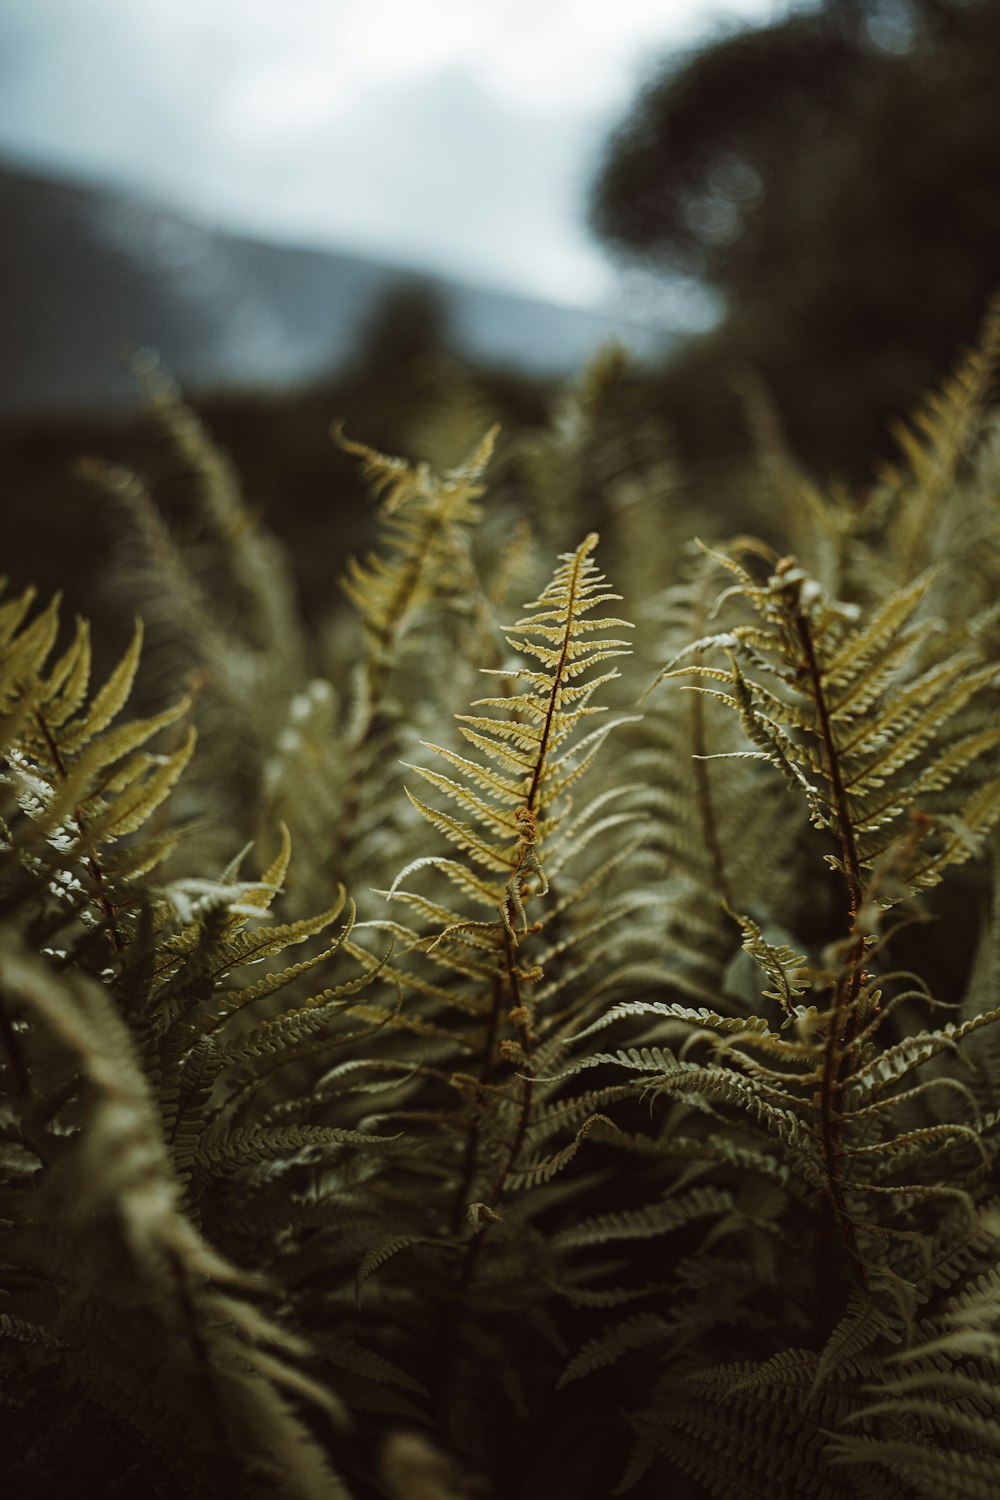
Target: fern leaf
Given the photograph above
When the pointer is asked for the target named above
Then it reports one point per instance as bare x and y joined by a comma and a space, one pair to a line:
637, 1332
648, 1222
109, 701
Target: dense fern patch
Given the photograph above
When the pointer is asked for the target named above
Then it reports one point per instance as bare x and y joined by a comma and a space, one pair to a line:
486, 1048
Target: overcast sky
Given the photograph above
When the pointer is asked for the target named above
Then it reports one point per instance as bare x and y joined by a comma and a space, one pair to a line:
457, 136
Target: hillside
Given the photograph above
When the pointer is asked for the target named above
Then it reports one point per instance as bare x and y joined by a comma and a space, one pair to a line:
86, 273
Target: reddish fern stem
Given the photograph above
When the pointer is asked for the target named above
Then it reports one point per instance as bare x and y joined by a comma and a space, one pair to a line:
704, 800
557, 682
510, 961
215, 1404
524, 1114
843, 1027
471, 1157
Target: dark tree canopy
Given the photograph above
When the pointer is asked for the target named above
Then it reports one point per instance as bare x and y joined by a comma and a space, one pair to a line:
836, 177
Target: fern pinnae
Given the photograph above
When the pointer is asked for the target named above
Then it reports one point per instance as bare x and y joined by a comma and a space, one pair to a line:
85, 780
238, 1351
510, 794
552, 1052
249, 553
915, 492
842, 747
423, 567
425, 516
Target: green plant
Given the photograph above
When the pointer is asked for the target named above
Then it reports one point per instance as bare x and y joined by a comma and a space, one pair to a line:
638, 1131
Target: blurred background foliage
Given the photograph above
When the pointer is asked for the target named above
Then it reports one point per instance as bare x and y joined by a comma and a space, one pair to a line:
832, 178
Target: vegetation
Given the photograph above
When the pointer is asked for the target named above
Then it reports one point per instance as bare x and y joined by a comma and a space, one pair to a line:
612, 1102
832, 178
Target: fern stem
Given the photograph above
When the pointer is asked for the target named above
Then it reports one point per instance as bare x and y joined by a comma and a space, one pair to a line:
521, 1130
832, 1084
557, 683
849, 983
524, 1036
471, 1156
843, 1021
202, 1358
509, 944
378, 670
524, 1115
705, 803
845, 827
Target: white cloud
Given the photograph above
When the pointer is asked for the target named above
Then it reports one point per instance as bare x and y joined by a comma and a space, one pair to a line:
453, 134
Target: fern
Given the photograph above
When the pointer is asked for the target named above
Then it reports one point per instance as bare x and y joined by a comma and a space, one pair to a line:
511, 800
117, 1172
655, 1112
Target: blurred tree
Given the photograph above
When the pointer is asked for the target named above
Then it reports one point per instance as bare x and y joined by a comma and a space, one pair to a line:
409, 323
835, 176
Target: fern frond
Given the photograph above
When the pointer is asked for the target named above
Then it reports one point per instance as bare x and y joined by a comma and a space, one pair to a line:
241, 1360
862, 710
743, 1430
638, 1332
83, 783
424, 516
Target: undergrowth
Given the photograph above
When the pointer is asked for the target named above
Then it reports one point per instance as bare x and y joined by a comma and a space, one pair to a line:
430, 1071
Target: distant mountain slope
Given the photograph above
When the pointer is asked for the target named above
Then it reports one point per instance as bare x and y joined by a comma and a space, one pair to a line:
86, 273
